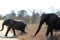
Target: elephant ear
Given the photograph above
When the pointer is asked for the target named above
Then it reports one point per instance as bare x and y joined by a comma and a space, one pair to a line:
44, 17
10, 22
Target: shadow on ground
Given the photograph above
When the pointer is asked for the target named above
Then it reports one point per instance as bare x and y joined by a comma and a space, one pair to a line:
8, 36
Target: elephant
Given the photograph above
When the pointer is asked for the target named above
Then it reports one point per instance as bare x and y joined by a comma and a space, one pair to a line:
57, 25
14, 25
51, 20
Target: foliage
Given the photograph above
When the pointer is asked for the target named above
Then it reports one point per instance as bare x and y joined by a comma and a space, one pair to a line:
22, 15
35, 17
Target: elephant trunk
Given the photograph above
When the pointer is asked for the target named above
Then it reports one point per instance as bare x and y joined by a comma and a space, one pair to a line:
2, 27
40, 24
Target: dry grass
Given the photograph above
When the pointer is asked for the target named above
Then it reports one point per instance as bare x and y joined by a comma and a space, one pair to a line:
31, 29
40, 36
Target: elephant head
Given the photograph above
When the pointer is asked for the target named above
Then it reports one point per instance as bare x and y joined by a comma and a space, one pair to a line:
44, 17
49, 19
7, 23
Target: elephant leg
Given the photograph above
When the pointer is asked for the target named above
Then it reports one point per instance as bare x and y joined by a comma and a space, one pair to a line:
49, 29
14, 31
7, 30
23, 31
47, 32
51, 32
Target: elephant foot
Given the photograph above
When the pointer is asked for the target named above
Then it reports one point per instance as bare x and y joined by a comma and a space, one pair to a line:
51, 38
46, 35
14, 35
5, 34
25, 32
21, 33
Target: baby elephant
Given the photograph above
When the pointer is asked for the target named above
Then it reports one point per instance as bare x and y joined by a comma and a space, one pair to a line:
14, 25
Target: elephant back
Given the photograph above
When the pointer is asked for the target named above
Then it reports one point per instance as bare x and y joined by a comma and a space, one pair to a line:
52, 18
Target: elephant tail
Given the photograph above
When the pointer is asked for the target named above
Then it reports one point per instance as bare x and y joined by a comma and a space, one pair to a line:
2, 27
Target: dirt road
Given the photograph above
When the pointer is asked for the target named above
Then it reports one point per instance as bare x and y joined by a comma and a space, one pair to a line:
2, 33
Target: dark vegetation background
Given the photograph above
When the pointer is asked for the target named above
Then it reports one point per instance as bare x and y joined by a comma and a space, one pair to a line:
23, 15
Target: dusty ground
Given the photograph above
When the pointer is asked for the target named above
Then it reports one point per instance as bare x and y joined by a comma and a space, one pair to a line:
31, 29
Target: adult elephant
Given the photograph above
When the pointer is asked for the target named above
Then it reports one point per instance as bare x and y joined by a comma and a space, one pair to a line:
57, 25
50, 19
14, 25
